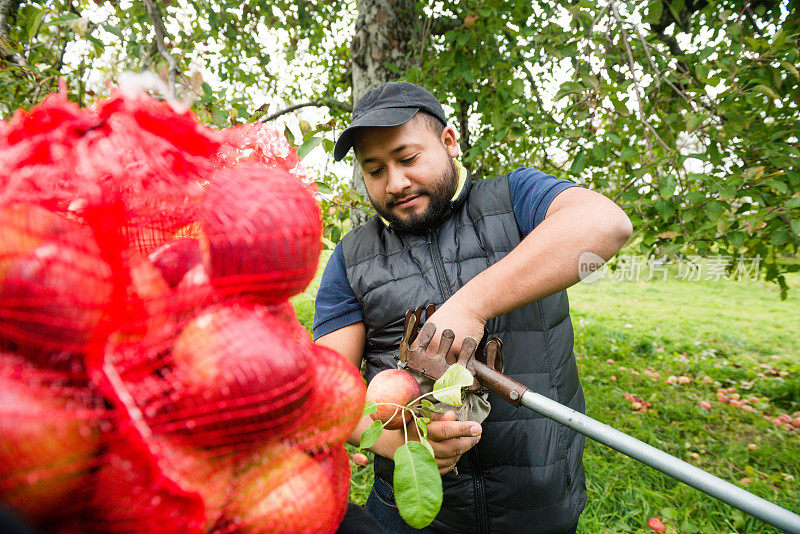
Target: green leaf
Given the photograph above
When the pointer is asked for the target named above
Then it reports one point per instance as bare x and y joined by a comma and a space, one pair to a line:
428, 446
456, 377
793, 202
113, 29
308, 146
791, 68
763, 89
324, 188
654, 10
417, 484
328, 145
578, 163
369, 407
423, 427
33, 29
668, 186
429, 405
371, 435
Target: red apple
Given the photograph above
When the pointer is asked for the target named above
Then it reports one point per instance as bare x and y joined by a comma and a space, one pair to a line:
336, 464
263, 232
23, 227
48, 440
149, 306
197, 470
396, 387
133, 494
655, 524
52, 299
236, 377
175, 258
283, 491
193, 293
336, 402
360, 459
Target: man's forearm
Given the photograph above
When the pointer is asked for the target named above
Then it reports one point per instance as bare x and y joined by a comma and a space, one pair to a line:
547, 260
386, 445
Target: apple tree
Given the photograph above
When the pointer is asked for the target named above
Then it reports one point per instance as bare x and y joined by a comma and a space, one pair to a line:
683, 111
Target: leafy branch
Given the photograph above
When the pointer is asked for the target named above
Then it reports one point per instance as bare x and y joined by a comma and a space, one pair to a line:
158, 27
334, 104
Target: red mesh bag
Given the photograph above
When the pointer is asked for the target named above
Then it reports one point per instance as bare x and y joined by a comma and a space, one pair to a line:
153, 376
52, 432
261, 233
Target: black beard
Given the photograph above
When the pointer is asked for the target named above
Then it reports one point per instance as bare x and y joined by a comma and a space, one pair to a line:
439, 197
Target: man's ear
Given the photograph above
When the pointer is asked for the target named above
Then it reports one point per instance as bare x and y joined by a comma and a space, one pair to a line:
450, 140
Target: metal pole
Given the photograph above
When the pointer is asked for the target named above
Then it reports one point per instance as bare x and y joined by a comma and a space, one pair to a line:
667, 464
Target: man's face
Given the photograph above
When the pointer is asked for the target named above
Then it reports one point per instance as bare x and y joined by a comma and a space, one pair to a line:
409, 172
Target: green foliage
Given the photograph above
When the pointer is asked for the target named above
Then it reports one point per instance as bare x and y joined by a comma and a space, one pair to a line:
685, 113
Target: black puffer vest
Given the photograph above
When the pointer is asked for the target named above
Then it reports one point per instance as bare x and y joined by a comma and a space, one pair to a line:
526, 473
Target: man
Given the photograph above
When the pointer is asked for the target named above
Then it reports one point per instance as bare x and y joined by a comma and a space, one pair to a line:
494, 254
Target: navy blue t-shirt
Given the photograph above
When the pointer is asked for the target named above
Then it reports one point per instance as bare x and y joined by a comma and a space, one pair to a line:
336, 306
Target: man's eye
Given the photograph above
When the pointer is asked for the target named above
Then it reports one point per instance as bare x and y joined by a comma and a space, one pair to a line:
375, 172
409, 160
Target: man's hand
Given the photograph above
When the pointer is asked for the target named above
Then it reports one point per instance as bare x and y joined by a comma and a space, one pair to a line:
458, 317
450, 438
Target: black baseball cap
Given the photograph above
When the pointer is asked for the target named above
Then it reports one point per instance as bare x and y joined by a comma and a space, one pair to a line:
391, 104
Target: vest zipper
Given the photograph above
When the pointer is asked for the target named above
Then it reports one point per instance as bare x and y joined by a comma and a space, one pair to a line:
438, 266
472, 457
480, 492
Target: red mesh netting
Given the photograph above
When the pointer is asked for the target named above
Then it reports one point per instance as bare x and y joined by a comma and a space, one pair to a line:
153, 376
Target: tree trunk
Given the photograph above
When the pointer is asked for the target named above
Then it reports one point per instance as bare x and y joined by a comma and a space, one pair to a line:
384, 34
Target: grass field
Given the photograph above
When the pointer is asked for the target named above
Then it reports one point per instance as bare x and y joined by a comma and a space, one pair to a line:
630, 338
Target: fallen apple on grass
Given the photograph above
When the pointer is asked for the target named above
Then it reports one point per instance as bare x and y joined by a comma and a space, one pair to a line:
392, 390
360, 458
655, 524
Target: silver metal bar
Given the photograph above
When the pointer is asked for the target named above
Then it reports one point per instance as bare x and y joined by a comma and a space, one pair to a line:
667, 464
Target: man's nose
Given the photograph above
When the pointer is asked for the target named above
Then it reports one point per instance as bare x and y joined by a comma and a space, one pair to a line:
396, 182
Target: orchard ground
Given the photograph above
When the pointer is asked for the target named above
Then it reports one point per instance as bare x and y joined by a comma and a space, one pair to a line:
630, 338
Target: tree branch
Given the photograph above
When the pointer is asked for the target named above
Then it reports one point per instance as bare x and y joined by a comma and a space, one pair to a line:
334, 104
463, 125
7, 8
647, 128
158, 27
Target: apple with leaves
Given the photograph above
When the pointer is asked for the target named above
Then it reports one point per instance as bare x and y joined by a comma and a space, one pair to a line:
392, 390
